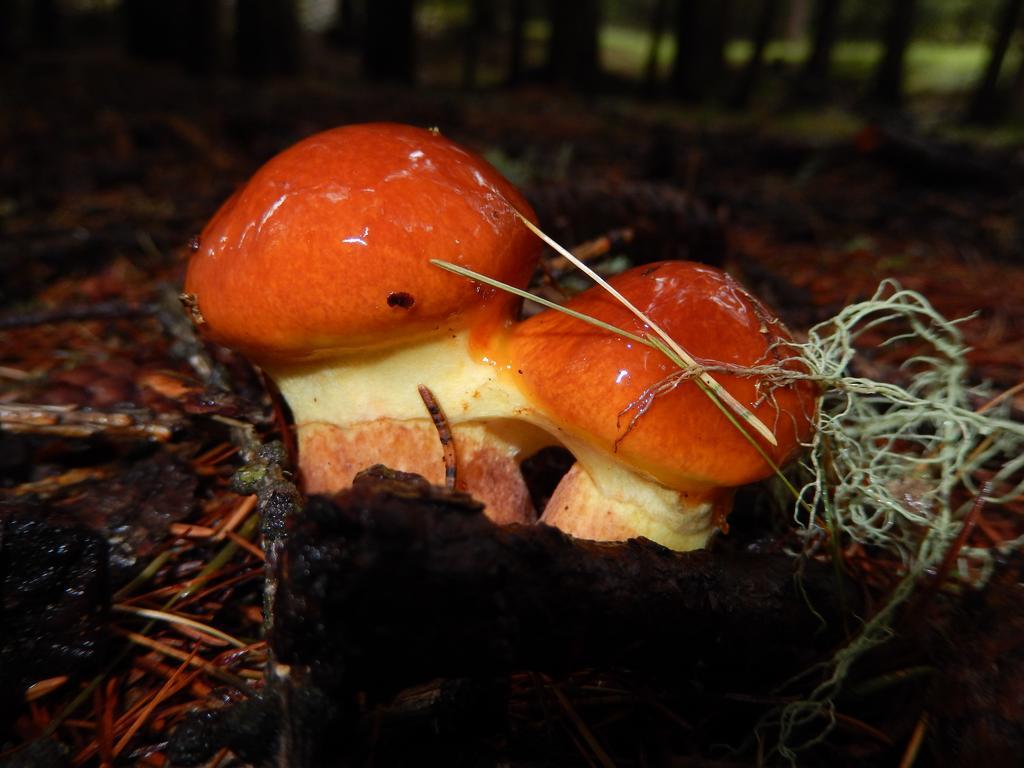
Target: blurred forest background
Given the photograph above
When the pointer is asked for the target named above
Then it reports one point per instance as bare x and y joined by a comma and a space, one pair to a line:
962, 57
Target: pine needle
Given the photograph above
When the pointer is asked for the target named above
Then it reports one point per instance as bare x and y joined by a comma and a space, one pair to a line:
687, 360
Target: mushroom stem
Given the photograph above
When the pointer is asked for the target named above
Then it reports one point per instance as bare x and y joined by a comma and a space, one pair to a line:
602, 499
355, 411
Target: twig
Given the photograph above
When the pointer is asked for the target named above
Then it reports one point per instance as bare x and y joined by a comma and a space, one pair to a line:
188, 346
107, 310
53, 484
444, 432
70, 421
593, 249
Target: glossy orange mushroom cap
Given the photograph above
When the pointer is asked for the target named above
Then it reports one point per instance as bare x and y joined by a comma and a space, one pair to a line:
627, 399
327, 248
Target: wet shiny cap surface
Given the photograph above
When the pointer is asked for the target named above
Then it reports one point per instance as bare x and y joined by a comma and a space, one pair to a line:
595, 384
327, 247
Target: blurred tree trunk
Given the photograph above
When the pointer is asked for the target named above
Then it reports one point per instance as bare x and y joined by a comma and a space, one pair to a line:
573, 48
986, 104
517, 40
659, 20
201, 38
796, 19
48, 23
344, 31
1017, 89
701, 30
150, 30
476, 29
13, 27
267, 38
752, 71
899, 28
812, 84
389, 52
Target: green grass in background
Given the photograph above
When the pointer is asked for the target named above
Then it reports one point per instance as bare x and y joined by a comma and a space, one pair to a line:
932, 68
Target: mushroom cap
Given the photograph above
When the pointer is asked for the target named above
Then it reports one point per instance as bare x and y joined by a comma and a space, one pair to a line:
586, 378
327, 248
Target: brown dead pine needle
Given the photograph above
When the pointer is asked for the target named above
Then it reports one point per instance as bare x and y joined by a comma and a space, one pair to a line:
174, 683
39, 690
247, 505
167, 650
916, 739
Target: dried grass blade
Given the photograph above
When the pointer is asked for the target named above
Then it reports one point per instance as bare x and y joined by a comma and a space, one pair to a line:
173, 618
688, 361
481, 278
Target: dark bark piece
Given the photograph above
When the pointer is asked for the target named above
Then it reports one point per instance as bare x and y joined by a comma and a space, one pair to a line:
54, 598
396, 582
131, 511
41, 753
248, 728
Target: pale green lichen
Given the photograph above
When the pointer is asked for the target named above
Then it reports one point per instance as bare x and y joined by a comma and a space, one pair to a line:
893, 467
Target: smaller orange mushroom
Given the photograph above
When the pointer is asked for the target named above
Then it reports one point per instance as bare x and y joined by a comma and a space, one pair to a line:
655, 456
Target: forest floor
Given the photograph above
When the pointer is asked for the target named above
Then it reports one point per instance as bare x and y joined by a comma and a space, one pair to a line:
109, 168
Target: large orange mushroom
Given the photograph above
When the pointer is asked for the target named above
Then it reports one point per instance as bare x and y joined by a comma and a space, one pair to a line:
655, 456
318, 269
